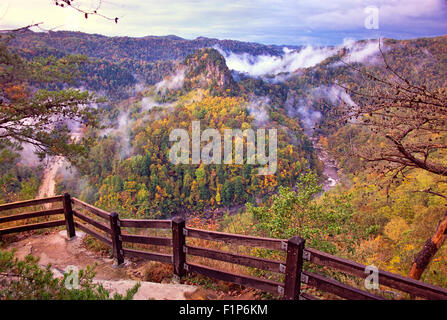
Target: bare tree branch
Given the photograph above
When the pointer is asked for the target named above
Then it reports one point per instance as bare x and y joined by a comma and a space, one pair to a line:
432, 192
21, 29
69, 3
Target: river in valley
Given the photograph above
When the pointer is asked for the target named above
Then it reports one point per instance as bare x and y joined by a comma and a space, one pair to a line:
330, 169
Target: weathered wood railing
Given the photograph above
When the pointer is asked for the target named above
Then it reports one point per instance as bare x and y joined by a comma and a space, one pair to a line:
32, 214
78, 214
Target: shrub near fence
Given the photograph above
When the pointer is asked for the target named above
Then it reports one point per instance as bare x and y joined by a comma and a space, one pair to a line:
107, 228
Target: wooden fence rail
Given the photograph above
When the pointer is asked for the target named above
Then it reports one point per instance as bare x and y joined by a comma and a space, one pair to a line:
248, 261
34, 226
30, 203
252, 282
267, 243
100, 213
109, 230
31, 215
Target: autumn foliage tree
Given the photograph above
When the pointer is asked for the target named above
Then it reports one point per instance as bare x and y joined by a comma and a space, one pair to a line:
408, 123
42, 117
33, 110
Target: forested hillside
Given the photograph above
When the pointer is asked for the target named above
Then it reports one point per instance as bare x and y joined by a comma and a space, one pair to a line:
149, 49
116, 65
129, 168
400, 208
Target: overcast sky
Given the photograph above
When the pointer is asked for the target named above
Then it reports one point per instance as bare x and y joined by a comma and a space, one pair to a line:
269, 22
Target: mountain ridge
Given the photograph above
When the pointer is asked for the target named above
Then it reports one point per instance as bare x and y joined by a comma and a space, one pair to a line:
152, 48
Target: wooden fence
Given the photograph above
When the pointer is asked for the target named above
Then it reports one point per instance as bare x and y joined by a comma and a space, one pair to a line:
107, 228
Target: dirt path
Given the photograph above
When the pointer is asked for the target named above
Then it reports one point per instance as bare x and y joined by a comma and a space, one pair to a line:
53, 248
48, 186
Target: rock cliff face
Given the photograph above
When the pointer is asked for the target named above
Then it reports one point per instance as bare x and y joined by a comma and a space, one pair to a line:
206, 68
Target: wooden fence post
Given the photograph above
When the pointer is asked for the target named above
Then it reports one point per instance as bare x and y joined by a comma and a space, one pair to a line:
68, 213
178, 242
117, 244
294, 266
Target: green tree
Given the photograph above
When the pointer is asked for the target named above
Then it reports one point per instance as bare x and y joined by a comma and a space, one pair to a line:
26, 280
407, 121
187, 182
42, 117
228, 193
296, 213
239, 189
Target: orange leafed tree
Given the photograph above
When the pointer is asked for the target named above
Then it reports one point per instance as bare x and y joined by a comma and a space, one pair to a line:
409, 122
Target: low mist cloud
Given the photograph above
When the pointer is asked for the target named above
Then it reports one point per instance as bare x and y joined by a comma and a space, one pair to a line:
302, 108
173, 82
257, 108
28, 155
293, 60
309, 117
290, 61
336, 94
147, 103
121, 130
361, 52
